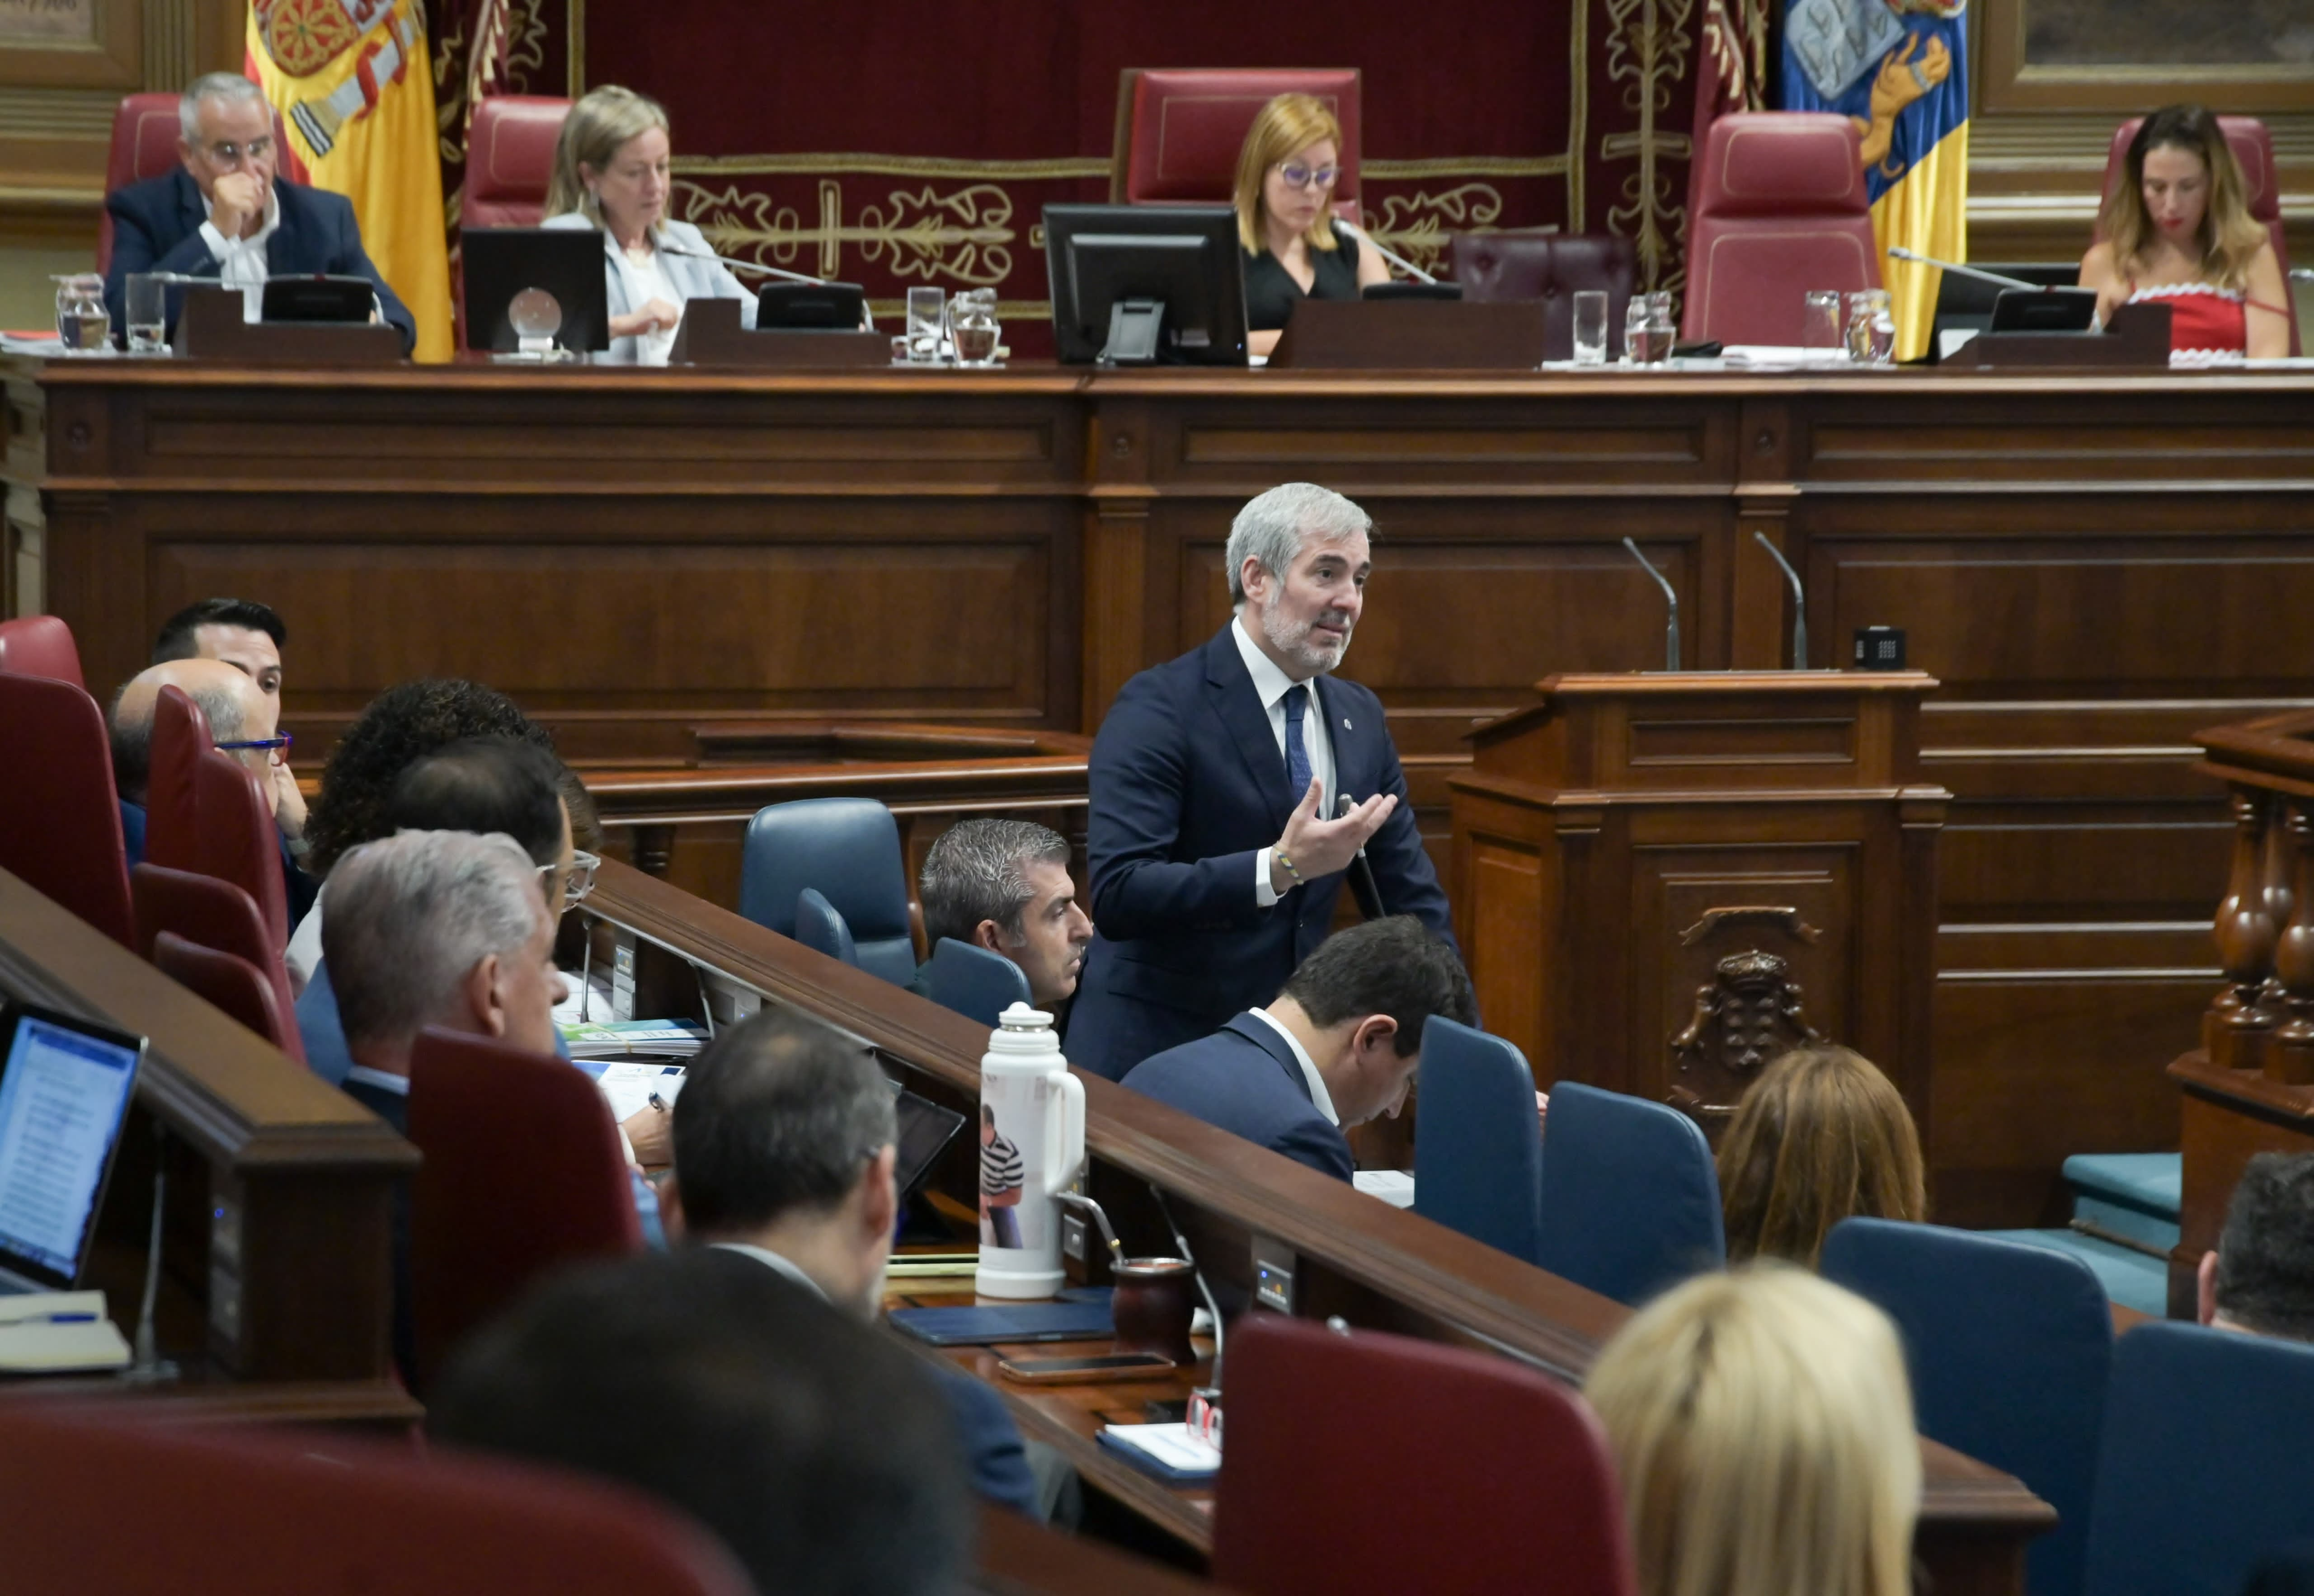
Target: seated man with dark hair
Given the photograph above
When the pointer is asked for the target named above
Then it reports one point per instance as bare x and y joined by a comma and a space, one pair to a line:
812, 1448
1003, 885
785, 1140
1339, 1048
246, 635
2261, 1278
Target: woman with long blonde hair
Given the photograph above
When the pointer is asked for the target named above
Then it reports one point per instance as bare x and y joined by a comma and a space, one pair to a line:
2178, 232
1296, 248
1762, 1429
1821, 1136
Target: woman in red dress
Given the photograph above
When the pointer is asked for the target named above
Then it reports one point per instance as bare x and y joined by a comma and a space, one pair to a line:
2178, 232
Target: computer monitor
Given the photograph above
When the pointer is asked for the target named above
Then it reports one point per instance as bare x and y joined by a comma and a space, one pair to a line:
1145, 284
564, 264
319, 298
1965, 303
2045, 310
65, 1090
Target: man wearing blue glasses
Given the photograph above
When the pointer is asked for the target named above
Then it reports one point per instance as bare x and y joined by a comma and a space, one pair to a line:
226, 214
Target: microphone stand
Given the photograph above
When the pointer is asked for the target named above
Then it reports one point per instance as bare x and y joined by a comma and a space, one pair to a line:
1363, 886
867, 316
1400, 261
1671, 632
1799, 604
150, 1368
1898, 252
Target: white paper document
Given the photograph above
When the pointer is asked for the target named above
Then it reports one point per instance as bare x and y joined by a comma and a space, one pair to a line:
1393, 1186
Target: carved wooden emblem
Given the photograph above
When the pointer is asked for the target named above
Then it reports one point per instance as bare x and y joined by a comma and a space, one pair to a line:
1747, 1016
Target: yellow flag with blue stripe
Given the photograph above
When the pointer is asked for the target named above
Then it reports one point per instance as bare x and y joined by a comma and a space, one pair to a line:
1898, 69
354, 84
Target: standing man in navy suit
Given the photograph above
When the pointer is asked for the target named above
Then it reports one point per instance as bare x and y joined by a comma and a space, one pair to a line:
225, 214
1215, 842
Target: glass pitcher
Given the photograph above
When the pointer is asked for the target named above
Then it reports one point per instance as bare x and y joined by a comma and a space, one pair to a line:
83, 326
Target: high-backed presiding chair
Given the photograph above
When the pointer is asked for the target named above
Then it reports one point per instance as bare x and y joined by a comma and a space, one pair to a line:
2202, 1466
509, 159
1552, 267
1179, 130
2252, 144
974, 981
214, 913
95, 1502
237, 839
2009, 1346
849, 849
173, 822
59, 818
41, 646
1779, 209
1499, 1479
523, 1172
230, 982
1478, 1159
821, 928
1630, 1203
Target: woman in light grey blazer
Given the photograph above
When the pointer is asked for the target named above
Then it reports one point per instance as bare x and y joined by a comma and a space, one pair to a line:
611, 172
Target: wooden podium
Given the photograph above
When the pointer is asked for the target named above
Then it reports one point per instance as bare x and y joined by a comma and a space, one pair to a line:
1664, 881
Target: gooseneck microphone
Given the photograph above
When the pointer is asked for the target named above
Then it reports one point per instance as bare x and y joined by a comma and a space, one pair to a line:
1400, 261
737, 265
1898, 252
1671, 632
1363, 885
1799, 602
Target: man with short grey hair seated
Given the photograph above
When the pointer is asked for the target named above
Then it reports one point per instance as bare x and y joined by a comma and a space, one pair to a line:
1004, 885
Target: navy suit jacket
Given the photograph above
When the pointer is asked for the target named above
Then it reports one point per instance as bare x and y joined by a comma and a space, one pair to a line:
157, 227
1245, 1078
1188, 786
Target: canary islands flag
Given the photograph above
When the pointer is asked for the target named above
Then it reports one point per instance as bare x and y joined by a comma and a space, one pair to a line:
1899, 70
354, 84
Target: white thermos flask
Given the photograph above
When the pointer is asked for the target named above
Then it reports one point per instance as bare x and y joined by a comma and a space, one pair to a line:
1032, 1127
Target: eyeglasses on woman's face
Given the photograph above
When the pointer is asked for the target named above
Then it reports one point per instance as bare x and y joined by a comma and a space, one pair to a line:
1301, 174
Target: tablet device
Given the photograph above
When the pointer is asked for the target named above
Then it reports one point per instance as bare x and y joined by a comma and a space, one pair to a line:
1026, 1321
925, 1131
319, 298
2045, 310
557, 273
65, 1090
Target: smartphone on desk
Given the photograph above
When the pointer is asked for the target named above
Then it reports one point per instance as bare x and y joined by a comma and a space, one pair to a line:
1082, 1371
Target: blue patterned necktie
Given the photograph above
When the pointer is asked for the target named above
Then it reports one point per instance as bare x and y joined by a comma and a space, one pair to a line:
1297, 752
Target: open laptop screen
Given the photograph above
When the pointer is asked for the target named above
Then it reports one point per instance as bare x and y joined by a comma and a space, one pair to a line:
65, 1089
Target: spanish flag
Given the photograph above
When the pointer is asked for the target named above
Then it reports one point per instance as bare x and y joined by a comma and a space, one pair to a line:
1899, 70
355, 87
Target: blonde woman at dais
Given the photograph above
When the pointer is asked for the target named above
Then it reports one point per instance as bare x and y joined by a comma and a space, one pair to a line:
1296, 248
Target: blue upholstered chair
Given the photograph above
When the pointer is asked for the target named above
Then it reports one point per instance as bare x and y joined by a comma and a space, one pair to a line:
1630, 1204
849, 849
974, 981
2202, 1467
819, 927
2010, 1345
1478, 1159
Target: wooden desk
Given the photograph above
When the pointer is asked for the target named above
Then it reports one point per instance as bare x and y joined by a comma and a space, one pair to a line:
275, 1251
2092, 569
1345, 1253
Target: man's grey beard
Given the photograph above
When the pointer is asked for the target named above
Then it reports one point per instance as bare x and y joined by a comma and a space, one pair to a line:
1292, 641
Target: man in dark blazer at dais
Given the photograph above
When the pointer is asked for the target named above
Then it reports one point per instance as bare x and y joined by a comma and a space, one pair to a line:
1216, 840
224, 213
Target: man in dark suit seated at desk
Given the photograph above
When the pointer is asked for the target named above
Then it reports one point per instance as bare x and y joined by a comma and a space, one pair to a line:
1339, 1048
1003, 885
785, 1140
225, 214
1213, 846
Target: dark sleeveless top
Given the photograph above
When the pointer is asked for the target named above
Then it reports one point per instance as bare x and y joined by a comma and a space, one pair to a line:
1270, 290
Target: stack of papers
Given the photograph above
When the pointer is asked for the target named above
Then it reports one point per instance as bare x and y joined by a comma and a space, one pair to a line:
1170, 1451
630, 1086
645, 1038
1393, 1186
58, 1332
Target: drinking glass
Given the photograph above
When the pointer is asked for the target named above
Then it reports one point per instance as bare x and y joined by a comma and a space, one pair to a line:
1871, 327
1662, 331
1635, 330
927, 327
1591, 327
147, 309
84, 325
972, 327
1820, 321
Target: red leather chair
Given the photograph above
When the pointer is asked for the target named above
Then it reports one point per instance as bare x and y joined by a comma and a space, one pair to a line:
181, 736
145, 132
1779, 210
227, 982
1179, 130
41, 646
1552, 267
523, 1172
60, 815
509, 157
215, 914
1501, 1479
254, 1511
2252, 148
238, 841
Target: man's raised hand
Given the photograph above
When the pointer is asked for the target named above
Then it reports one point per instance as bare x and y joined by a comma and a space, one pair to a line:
1318, 846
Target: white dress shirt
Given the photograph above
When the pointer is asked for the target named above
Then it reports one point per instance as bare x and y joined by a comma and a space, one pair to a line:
1271, 684
1322, 1099
646, 280
240, 261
